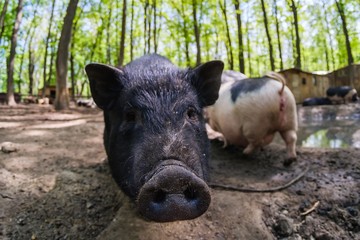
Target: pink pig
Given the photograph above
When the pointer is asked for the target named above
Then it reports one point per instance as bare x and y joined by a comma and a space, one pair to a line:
250, 111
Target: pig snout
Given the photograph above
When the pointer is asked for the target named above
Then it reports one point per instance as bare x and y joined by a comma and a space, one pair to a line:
173, 192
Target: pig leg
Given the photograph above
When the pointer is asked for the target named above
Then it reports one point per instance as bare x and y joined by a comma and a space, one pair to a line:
255, 144
249, 149
212, 134
290, 138
254, 135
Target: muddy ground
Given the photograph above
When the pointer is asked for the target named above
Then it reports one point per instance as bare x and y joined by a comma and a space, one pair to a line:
55, 184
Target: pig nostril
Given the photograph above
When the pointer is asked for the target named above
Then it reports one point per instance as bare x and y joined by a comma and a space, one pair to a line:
159, 196
190, 194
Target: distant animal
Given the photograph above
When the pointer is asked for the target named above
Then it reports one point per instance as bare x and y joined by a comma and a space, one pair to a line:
342, 94
249, 112
89, 103
3, 98
316, 101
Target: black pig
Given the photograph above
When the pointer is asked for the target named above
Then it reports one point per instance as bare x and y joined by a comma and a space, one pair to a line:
155, 136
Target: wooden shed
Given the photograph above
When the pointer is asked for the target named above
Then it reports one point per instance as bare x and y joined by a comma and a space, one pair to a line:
349, 76
50, 92
305, 84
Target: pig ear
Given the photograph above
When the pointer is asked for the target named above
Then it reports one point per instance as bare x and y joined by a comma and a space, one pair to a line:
207, 81
105, 84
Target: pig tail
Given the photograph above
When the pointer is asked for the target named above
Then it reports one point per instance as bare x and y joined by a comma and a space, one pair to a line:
280, 78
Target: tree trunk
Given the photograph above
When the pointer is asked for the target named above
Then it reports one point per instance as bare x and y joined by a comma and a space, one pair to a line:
329, 36
132, 32
196, 32
297, 39
272, 63
29, 33
2, 18
326, 55
46, 49
278, 35
51, 67
248, 48
99, 34
108, 44
146, 5
148, 16
11, 59
31, 68
155, 27
229, 44
340, 7
240, 37
29, 37
62, 94
184, 29
122, 39
72, 64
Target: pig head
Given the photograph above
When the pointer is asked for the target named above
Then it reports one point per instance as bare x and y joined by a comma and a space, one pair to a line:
155, 136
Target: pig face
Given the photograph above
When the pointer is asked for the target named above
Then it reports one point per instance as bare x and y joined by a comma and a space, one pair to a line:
155, 136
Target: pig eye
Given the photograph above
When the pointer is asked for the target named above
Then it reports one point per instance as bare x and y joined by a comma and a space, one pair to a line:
192, 114
130, 116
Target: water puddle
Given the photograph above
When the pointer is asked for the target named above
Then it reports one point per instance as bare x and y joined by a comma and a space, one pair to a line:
336, 126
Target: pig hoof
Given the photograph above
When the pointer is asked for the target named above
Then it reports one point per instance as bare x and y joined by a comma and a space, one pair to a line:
289, 161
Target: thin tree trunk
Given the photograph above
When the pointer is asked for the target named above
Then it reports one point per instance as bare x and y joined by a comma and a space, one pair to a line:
98, 35
217, 42
340, 7
196, 32
207, 45
11, 59
146, 5
132, 32
292, 42
278, 35
51, 67
155, 27
248, 48
185, 31
149, 29
272, 62
329, 35
46, 49
122, 39
229, 44
240, 37
2, 18
72, 64
29, 37
31, 68
297, 43
62, 94
23, 53
108, 44
326, 55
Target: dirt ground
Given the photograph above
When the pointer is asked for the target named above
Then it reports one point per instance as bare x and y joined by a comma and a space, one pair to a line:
55, 184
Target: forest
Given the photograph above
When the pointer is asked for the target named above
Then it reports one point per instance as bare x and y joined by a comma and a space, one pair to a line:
47, 43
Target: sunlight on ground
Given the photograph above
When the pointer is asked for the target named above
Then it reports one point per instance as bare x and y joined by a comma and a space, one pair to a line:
35, 133
58, 125
10, 124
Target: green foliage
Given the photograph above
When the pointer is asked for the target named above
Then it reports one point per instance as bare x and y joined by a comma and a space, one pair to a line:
97, 34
